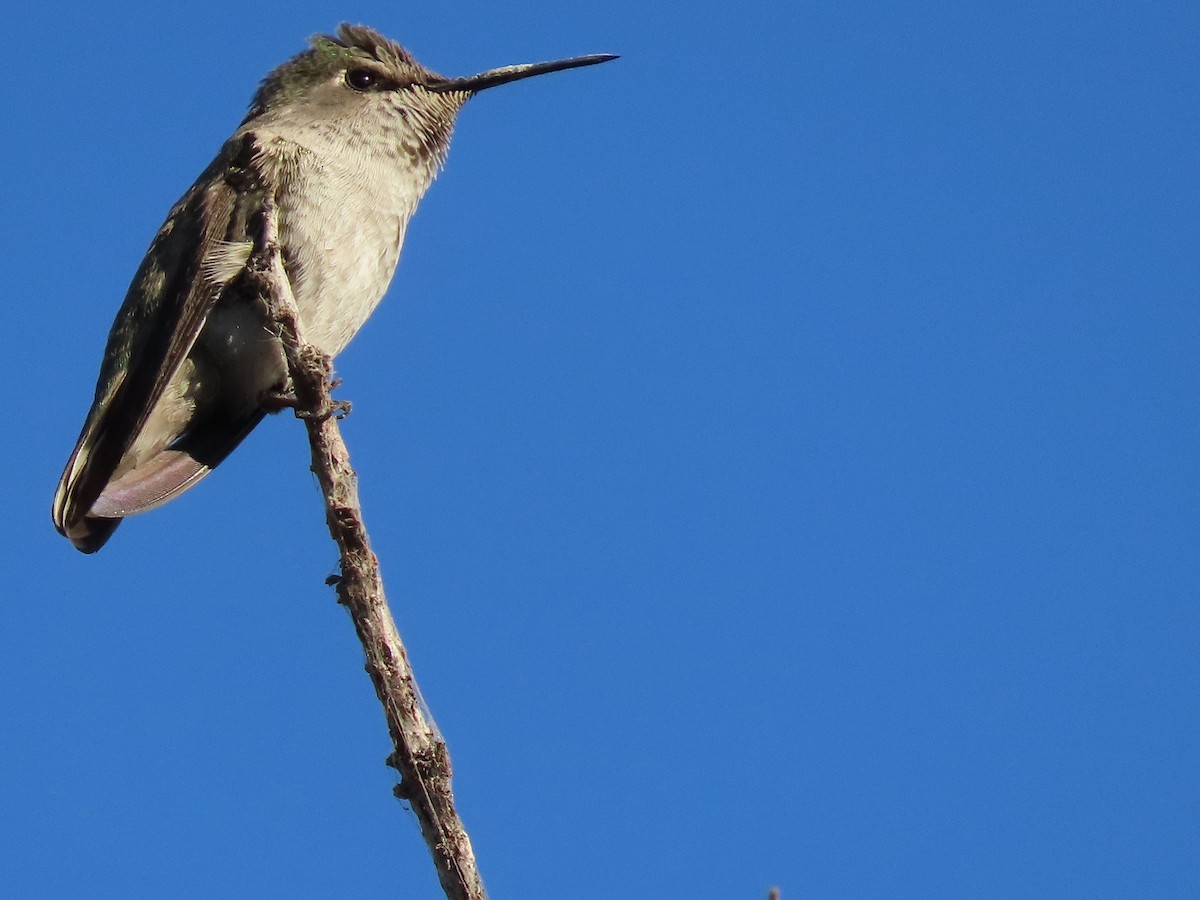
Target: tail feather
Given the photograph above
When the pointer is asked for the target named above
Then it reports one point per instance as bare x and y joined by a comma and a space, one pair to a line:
162, 477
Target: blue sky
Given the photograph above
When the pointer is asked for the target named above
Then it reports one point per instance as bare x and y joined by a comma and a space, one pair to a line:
780, 445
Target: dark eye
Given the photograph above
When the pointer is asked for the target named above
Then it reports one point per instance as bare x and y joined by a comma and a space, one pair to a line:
361, 79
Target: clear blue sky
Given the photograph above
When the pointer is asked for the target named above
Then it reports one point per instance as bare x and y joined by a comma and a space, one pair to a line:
781, 445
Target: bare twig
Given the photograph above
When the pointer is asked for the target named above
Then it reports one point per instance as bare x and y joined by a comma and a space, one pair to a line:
420, 753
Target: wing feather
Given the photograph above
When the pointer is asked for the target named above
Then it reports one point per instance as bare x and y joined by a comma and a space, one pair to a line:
203, 244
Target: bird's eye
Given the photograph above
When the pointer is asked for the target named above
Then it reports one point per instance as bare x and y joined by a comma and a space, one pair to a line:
361, 79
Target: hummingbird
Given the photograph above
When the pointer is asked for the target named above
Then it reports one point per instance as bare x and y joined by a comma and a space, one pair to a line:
344, 139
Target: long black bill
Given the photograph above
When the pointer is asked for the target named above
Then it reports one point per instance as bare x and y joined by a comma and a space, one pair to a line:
473, 84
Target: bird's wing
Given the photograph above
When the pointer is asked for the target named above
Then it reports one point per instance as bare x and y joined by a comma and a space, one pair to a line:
185, 269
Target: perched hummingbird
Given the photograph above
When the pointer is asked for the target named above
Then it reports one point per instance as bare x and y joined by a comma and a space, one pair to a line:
347, 136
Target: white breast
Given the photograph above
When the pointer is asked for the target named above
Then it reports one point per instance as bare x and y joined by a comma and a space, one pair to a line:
342, 225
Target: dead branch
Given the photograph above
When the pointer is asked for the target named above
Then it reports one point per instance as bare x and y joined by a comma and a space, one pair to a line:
420, 753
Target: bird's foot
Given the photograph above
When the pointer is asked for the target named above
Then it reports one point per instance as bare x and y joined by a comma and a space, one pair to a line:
278, 400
